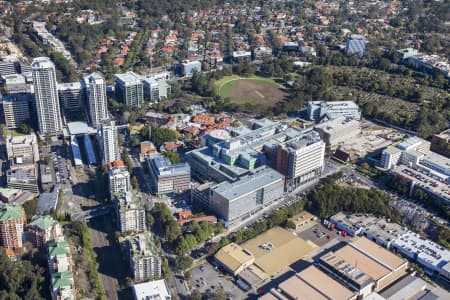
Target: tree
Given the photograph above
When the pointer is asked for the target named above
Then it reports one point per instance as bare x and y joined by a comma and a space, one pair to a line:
218, 294
172, 156
134, 142
195, 295
184, 262
25, 128
162, 135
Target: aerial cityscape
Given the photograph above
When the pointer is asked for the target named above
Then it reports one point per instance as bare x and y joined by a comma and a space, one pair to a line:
225, 150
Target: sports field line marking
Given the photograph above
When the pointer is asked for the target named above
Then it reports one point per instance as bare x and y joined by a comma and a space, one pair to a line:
259, 94
240, 78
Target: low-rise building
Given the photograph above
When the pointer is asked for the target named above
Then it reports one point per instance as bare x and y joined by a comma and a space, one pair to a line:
376, 267
157, 289
356, 44
310, 283
234, 258
231, 201
148, 150
376, 229
167, 177
433, 257
145, 263
130, 213
302, 220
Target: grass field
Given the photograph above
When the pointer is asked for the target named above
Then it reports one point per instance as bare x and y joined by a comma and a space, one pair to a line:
252, 90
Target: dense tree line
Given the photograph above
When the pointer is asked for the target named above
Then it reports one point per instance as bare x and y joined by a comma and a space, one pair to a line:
20, 279
329, 199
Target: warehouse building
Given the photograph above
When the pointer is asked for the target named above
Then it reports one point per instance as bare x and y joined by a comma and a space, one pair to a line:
376, 267
433, 257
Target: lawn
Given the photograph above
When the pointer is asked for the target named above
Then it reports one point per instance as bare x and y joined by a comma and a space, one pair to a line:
252, 90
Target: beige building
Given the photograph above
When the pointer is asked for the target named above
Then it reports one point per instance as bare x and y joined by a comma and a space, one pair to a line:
23, 148
234, 258
376, 267
338, 131
310, 284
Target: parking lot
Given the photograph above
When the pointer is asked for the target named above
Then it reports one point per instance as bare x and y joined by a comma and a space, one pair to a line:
320, 235
207, 279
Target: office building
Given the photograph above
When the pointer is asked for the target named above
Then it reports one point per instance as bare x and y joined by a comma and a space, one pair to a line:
231, 201
157, 289
46, 96
440, 143
319, 111
22, 149
129, 89
363, 266
16, 110
62, 286
434, 258
108, 141
130, 213
167, 177
119, 178
301, 159
23, 178
71, 96
156, 86
356, 44
12, 226
145, 263
338, 131
96, 98
43, 230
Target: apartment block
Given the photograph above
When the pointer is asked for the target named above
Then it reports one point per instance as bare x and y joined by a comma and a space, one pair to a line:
130, 213
43, 230
16, 110
12, 226
71, 96
129, 89
119, 178
145, 262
